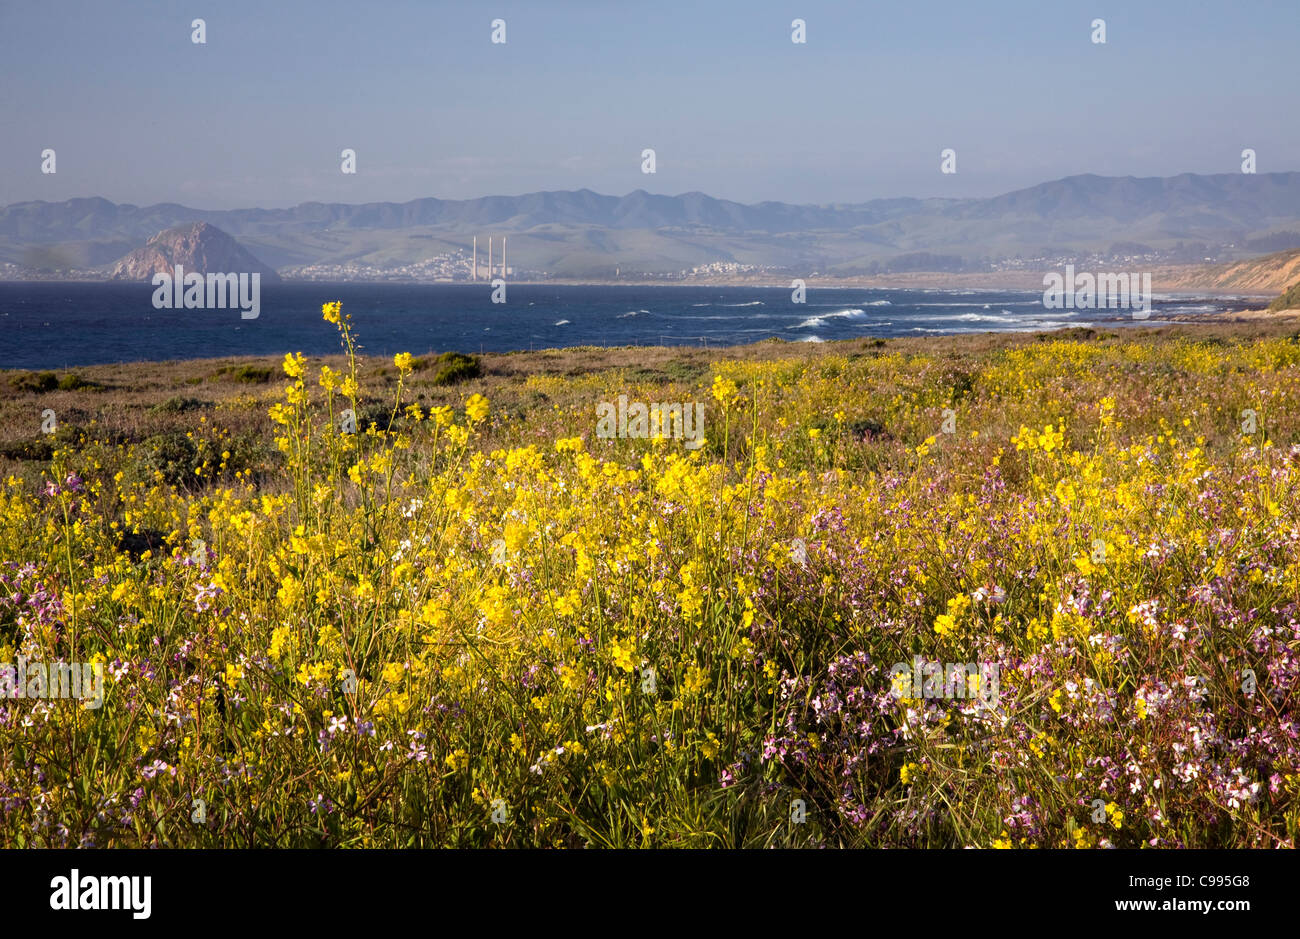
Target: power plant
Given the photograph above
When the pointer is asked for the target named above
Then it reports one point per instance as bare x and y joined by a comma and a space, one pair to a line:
491, 268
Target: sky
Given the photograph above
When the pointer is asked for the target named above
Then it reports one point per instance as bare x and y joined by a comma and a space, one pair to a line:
258, 115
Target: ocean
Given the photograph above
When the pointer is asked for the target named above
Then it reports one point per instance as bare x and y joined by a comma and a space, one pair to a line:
63, 325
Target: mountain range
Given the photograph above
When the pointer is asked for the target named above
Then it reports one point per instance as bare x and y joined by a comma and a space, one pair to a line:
584, 234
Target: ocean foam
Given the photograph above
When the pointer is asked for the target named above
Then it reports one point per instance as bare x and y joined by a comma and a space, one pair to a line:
814, 322
982, 318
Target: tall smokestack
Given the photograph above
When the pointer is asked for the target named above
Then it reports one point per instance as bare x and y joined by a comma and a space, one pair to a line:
474, 276
489, 257
504, 270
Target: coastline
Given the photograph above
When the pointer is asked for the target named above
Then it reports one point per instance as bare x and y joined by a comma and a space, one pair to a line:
1164, 281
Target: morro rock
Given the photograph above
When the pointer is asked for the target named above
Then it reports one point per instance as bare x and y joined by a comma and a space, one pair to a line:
197, 247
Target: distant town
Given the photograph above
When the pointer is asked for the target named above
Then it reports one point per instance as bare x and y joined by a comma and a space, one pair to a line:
459, 267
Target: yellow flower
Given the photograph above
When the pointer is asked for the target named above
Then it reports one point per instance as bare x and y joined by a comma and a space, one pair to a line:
622, 655
403, 361
570, 678
1056, 700
567, 604
476, 408
456, 760
945, 625
331, 312
293, 364
724, 390
710, 746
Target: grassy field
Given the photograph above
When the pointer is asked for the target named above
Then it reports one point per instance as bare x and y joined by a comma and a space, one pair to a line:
992, 591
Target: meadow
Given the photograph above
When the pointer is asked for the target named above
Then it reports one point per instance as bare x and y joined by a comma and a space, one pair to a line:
420, 603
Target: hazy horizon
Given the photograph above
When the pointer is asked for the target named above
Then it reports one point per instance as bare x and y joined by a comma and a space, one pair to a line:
615, 195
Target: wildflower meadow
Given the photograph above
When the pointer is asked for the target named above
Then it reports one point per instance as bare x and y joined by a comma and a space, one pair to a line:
474, 621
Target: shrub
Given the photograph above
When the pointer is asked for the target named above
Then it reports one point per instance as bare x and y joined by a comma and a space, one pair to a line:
30, 448
1289, 300
684, 372
35, 381
74, 382
455, 367
174, 455
176, 405
249, 374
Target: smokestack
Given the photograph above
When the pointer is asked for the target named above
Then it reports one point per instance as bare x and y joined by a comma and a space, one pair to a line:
489, 257
474, 276
504, 270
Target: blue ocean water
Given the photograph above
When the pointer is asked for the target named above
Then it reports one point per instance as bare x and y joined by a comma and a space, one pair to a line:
60, 325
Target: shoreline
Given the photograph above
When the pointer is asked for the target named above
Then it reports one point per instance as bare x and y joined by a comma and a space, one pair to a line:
918, 281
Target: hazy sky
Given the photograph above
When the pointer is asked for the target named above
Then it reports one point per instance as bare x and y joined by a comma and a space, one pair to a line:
258, 116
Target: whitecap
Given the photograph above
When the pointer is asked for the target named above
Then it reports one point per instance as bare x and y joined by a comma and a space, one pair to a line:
980, 318
813, 322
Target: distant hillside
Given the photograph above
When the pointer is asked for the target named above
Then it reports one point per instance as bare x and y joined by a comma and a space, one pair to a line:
197, 247
1174, 220
1271, 273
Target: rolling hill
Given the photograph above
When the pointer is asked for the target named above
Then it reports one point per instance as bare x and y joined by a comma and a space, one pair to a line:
1176, 219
